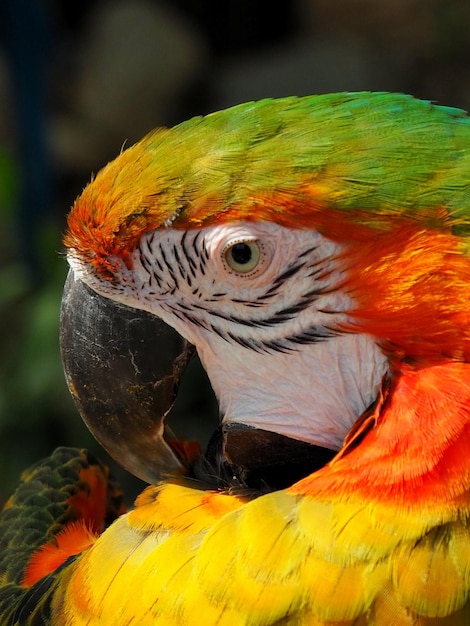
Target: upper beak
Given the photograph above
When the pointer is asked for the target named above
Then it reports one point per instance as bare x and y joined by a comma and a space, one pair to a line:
123, 369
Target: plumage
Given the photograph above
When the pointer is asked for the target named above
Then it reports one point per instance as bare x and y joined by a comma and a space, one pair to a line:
315, 251
292, 161
62, 504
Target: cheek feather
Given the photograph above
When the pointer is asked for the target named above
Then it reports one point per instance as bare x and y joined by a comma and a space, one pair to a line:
410, 286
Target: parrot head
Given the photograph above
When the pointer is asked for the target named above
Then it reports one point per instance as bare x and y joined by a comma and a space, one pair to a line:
311, 250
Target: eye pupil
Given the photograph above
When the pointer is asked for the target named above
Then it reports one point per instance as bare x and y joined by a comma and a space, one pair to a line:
241, 253
243, 257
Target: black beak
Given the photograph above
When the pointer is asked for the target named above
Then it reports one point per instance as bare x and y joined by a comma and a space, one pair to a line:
123, 369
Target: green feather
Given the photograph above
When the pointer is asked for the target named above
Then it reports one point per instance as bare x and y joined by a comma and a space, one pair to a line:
387, 153
372, 155
34, 514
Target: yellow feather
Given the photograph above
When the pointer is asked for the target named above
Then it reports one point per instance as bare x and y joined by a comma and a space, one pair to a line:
349, 563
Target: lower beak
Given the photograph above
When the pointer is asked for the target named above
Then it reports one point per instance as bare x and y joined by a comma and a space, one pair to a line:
123, 369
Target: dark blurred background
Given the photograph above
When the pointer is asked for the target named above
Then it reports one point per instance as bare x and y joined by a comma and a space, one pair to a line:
79, 79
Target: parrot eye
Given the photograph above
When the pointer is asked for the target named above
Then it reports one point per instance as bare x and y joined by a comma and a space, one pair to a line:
243, 257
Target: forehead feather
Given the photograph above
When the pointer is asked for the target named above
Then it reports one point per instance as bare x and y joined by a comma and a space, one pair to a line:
365, 157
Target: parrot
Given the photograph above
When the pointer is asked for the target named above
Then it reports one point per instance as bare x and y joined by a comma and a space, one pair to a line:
315, 252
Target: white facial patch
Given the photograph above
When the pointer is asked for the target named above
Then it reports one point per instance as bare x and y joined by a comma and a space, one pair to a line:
263, 304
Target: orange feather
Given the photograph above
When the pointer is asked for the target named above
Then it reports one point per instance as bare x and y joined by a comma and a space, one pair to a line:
71, 540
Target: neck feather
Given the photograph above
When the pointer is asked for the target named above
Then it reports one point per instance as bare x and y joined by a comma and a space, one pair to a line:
314, 394
416, 451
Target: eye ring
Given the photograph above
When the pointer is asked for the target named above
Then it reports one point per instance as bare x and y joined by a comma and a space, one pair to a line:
243, 256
